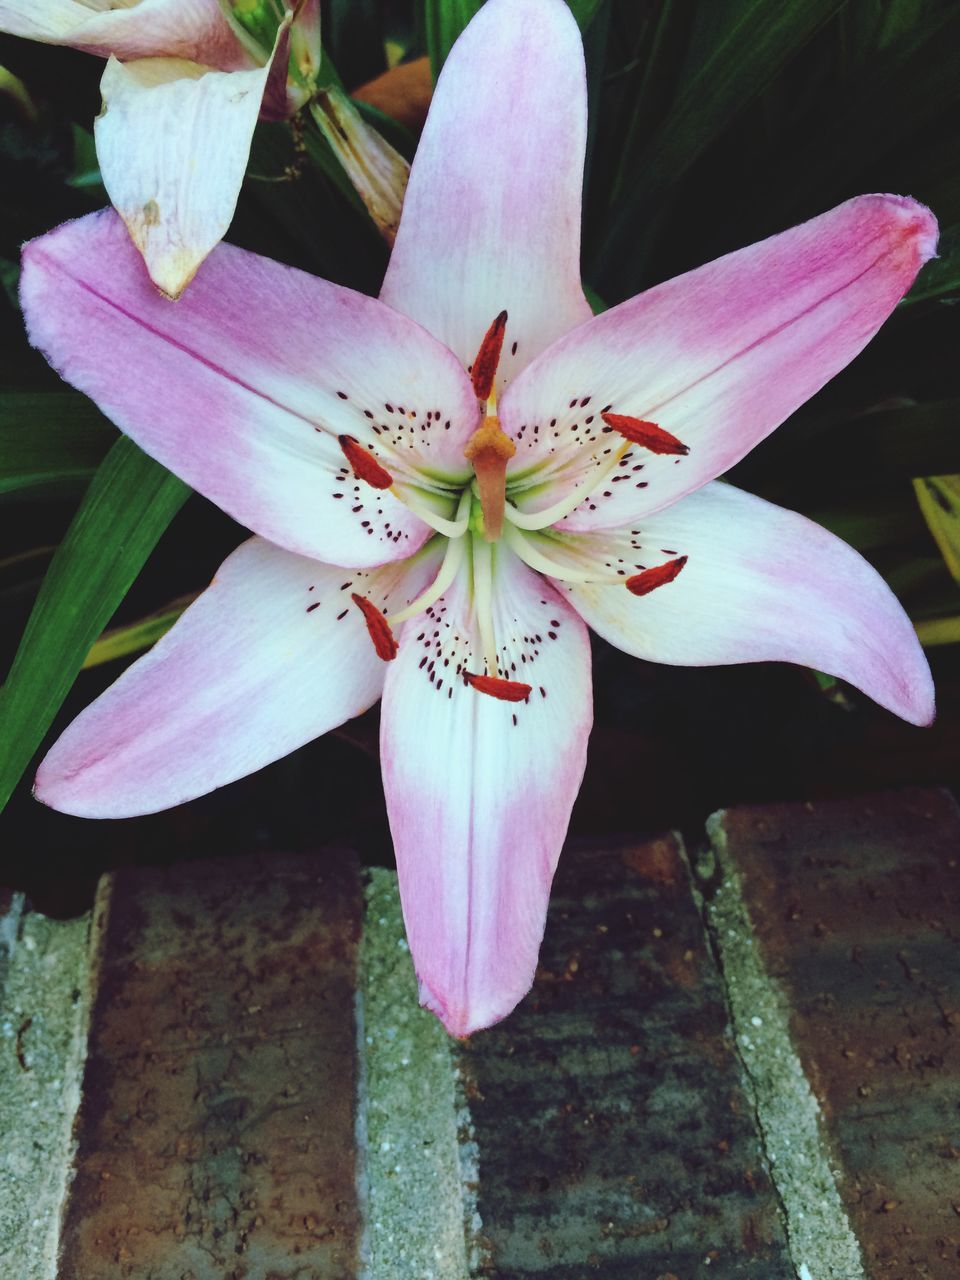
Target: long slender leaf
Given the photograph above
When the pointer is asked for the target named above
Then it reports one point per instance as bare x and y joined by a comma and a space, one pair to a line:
940, 278
129, 503
443, 22
120, 642
899, 95
445, 19
937, 631
353, 30
47, 436
939, 499
755, 42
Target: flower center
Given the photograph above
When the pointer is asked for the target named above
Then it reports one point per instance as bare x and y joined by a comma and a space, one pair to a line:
556, 556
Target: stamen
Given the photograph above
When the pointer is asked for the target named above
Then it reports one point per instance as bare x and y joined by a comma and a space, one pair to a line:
378, 627
641, 584
488, 358
534, 520
364, 464
505, 690
449, 528
537, 561
647, 434
452, 560
483, 601
489, 449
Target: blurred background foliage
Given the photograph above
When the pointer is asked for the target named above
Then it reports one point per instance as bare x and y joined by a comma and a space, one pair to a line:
713, 123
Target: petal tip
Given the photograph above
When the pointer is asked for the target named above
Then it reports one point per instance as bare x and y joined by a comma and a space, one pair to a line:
457, 1020
915, 224
921, 709
48, 791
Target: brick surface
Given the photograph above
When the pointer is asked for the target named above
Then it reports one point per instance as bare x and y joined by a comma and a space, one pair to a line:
216, 1127
612, 1135
857, 908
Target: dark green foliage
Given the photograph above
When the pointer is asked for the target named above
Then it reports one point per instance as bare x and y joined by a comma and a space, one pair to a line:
129, 503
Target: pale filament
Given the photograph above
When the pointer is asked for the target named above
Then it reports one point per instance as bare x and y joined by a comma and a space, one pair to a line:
524, 549
534, 520
483, 601
449, 568
449, 528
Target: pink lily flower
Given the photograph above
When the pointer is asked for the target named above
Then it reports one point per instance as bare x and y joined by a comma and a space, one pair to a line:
184, 86
498, 469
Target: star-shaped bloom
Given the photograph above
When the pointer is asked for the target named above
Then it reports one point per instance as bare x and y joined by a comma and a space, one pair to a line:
497, 469
184, 86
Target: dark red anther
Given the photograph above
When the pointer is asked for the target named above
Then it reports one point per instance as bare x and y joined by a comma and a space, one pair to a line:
488, 357
505, 690
641, 584
364, 464
646, 434
378, 627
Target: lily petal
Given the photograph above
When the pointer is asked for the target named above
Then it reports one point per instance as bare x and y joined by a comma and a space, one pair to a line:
759, 584
721, 356
244, 385
159, 117
272, 655
491, 217
479, 790
144, 29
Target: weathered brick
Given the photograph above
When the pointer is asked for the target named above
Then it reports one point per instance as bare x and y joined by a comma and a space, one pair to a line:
613, 1137
216, 1126
856, 905
43, 973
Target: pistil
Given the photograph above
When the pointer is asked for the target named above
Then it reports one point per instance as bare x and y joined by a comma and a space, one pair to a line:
490, 449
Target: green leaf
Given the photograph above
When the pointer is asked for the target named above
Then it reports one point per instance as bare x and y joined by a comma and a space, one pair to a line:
129, 503
899, 97
751, 46
898, 18
353, 30
597, 304
939, 499
870, 524
444, 20
879, 448
120, 642
584, 11
49, 436
940, 278
937, 631
86, 166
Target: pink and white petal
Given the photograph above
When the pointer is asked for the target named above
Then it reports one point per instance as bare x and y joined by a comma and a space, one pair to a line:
173, 140
243, 386
272, 655
491, 217
760, 584
479, 790
721, 356
193, 29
